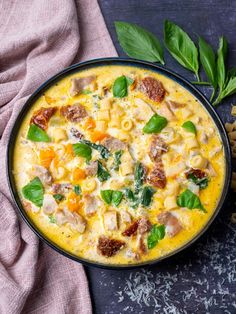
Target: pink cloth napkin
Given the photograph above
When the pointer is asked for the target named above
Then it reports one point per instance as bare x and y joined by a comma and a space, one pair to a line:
38, 39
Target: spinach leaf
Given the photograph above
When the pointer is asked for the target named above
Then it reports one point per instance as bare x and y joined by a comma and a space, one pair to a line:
190, 200
155, 124
52, 219
36, 134
181, 47
82, 150
190, 127
146, 196
102, 173
117, 197
58, 197
104, 152
117, 161
120, 87
207, 57
156, 234
138, 43
133, 198
77, 189
34, 191
221, 71
201, 182
106, 196
139, 173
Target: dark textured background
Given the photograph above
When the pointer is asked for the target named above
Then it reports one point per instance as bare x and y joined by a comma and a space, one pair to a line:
203, 278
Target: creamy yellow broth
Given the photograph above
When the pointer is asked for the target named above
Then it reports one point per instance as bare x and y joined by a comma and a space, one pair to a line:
109, 113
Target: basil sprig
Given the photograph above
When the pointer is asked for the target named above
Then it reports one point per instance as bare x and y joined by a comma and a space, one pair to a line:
181, 47
155, 124
111, 197
190, 127
156, 234
138, 43
36, 134
190, 200
82, 150
34, 192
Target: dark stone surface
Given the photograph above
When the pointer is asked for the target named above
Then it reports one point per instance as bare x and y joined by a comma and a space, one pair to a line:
203, 278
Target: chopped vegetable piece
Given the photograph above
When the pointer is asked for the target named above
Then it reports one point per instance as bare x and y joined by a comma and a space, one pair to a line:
59, 197
102, 173
34, 191
117, 161
36, 134
83, 150
139, 174
190, 200
112, 197
156, 234
106, 196
120, 87
146, 196
52, 219
155, 124
77, 189
201, 182
190, 127
117, 197
104, 152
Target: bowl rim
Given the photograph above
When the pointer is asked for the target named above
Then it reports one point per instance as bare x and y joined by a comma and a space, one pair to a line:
124, 62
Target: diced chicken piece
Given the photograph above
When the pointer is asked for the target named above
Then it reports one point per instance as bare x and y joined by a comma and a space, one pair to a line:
92, 168
43, 174
113, 144
90, 204
74, 113
157, 176
174, 170
141, 244
173, 226
166, 111
49, 204
61, 219
76, 133
174, 105
80, 223
193, 187
78, 84
143, 112
211, 171
186, 113
153, 88
132, 255
110, 220
108, 246
203, 138
42, 116
157, 148
215, 151
61, 188
144, 225
125, 217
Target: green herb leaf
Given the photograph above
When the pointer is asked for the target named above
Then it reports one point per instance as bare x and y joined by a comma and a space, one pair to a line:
190, 127
230, 88
104, 152
82, 150
102, 173
117, 197
106, 196
207, 57
129, 81
146, 196
221, 71
85, 92
201, 182
117, 161
120, 87
155, 124
190, 200
58, 197
181, 47
231, 73
77, 189
52, 219
36, 134
138, 43
156, 234
139, 173
34, 191
133, 198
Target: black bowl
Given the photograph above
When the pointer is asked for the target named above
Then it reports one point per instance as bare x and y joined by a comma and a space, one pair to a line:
125, 62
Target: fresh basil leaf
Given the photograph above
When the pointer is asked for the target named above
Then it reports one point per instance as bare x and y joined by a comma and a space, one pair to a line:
77, 189
52, 219
231, 73
102, 173
190, 200
36, 134
85, 92
117, 161
106, 196
138, 43
129, 81
181, 47
132, 198
201, 182
207, 57
117, 197
104, 152
82, 150
221, 71
230, 88
190, 127
156, 234
146, 196
120, 87
59, 197
139, 173
34, 191
155, 124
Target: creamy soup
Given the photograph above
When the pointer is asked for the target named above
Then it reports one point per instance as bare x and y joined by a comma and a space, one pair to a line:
119, 165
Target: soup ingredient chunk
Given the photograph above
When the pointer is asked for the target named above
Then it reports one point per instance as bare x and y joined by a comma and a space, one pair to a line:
157, 148
157, 176
153, 89
108, 246
74, 113
78, 84
171, 222
42, 116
